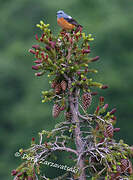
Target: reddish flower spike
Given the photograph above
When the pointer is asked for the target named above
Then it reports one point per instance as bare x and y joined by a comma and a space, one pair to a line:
94, 93
95, 58
43, 35
36, 67
33, 139
112, 111
14, 172
97, 109
62, 108
116, 129
39, 74
105, 106
32, 51
42, 54
36, 46
101, 99
36, 36
85, 51
104, 87
38, 61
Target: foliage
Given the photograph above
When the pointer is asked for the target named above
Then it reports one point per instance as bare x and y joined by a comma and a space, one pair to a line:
22, 114
96, 154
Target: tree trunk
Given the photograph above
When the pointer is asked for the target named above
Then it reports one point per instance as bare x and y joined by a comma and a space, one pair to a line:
73, 102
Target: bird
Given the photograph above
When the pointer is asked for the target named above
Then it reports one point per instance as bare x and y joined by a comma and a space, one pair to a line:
66, 22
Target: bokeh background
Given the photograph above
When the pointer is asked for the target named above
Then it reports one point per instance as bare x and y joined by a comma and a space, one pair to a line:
22, 115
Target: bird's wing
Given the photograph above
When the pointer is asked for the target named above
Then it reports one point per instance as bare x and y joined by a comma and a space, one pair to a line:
72, 21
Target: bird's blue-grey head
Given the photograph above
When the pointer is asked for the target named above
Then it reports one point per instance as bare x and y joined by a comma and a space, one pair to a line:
62, 14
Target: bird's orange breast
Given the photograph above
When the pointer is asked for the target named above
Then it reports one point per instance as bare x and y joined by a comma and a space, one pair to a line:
64, 24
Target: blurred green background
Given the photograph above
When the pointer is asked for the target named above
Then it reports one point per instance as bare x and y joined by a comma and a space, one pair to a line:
22, 113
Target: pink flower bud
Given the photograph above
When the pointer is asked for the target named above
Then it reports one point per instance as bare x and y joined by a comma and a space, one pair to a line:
88, 47
94, 93
116, 129
95, 58
37, 53
104, 87
36, 46
112, 111
105, 106
38, 61
36, 67
14, 172
41, 39
42, 54
32, 51
33, 139
39, 74
97, 109
85, 51
84, 79
43, 35
36, 36
62, 108
101, 99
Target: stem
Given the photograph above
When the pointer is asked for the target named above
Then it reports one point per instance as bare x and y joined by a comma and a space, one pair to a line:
73, 103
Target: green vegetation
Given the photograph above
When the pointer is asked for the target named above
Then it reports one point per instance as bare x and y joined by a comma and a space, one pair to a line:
22, 114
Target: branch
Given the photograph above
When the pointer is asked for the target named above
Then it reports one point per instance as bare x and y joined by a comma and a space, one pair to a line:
64, 149
89, 116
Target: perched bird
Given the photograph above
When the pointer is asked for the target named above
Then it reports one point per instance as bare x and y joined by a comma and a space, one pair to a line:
65, 21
